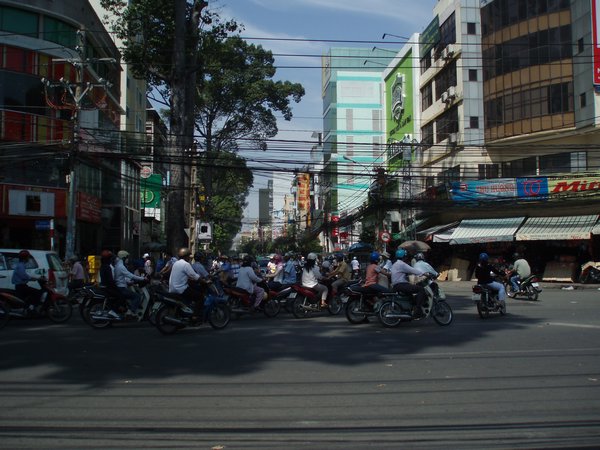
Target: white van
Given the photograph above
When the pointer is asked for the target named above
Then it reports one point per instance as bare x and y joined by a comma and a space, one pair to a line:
42, 263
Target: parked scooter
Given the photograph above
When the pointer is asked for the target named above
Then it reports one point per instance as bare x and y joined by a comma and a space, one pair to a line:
487, 302
51, 304
528, 287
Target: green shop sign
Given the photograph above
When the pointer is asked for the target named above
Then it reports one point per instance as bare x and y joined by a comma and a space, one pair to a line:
150, 191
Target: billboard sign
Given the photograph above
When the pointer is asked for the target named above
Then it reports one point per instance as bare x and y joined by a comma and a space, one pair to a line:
596, 40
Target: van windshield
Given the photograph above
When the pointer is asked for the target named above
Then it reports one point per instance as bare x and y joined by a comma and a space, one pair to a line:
13, 258
54, 262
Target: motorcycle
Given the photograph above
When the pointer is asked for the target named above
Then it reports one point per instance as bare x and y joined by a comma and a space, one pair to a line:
528, 287
399, 308
307, 301
241, 302
487, 302
51, 304
363, 303
175, 315
97, 303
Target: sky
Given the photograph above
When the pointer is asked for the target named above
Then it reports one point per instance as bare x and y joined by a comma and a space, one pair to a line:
298, 32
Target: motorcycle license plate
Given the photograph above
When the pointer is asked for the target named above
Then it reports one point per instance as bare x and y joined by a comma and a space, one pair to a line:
535, 285
476, 297
293, 295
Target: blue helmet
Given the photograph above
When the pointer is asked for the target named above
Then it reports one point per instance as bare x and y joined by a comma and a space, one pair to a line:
400, 253
484, 257
375, 257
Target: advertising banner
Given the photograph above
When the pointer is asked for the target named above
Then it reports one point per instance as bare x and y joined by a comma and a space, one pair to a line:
596, 40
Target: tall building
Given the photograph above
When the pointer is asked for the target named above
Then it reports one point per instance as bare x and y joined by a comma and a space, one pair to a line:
353, 126
63, 43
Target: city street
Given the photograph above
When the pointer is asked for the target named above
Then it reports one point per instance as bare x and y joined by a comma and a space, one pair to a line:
530, 379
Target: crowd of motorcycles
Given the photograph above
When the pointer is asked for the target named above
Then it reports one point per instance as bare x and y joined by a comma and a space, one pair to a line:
222, 303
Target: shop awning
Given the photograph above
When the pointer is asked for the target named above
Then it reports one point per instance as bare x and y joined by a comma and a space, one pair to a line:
557, 228
476, 231
596, 229
438, 233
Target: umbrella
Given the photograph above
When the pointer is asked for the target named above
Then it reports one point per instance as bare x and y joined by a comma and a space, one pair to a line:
415, 246
360, 246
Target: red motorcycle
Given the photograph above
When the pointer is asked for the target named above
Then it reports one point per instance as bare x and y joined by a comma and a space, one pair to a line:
53, 305
241, 302
307, 301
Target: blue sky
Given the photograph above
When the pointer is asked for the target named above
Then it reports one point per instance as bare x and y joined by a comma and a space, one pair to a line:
295, 29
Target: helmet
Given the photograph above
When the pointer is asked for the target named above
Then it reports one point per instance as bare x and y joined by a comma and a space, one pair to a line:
339, 257
484, 257
123, 254
24, 254
516, 256
420, 256
374, 257
184, 252
74, 258
106, 255
312, 256
146, 255
400, 253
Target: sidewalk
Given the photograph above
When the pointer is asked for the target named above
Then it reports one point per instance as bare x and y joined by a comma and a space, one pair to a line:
467, 285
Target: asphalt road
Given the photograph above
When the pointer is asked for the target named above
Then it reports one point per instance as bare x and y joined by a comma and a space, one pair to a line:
530, 379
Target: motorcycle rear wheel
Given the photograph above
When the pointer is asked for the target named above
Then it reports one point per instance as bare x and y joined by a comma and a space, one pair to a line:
165, 327
483, 311
353, 312
96, 307
389, 314
272, 308
60, 311
298, 310
532, 294
335, 305
442, 313
4, 314
219, 316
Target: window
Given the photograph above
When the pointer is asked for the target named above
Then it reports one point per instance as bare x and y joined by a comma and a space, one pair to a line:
450, 175
426, 96
473, 122
580, 47
427, 135
487, 171
60, 32
472, 74
17, 21
426, 61
582, 100
471, 28
446, 123
445, 79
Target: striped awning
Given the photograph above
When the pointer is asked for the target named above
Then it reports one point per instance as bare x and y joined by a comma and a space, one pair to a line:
476, 231
557, 228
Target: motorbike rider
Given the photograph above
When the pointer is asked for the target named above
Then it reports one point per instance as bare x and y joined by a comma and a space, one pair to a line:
520, 270
123, 278
355, 268
423, 265
341, 273
400, 283
483, 273
275, 278
247, 280
179, 281
372, 275
311, 277
107, 281
20, 278
290, 274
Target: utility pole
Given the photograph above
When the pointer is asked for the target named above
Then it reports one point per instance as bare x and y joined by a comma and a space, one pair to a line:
77, 90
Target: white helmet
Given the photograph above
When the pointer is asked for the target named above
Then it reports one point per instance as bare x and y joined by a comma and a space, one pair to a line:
312, 256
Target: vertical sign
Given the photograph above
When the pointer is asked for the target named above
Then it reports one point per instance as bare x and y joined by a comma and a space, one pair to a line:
596, 40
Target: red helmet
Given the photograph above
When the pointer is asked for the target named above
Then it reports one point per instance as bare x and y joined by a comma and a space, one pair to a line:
106, 254
24, 254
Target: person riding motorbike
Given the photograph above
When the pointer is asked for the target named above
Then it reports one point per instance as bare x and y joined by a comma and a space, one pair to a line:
483, 273
400, 283
179, 281
290, 274
123, 278
248, 279
20, 278
372, 275
341, 274
423, 265
311, 278
275, 278
107, 281
520, 270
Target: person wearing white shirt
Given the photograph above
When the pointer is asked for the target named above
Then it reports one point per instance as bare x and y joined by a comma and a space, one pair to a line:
123, 278
179, 280
247, 279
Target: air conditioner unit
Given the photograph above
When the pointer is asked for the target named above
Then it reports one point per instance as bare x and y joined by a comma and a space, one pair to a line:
452, 92
448, 52
453, 138
445, 96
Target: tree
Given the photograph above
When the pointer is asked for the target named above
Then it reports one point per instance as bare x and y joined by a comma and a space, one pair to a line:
161, 41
